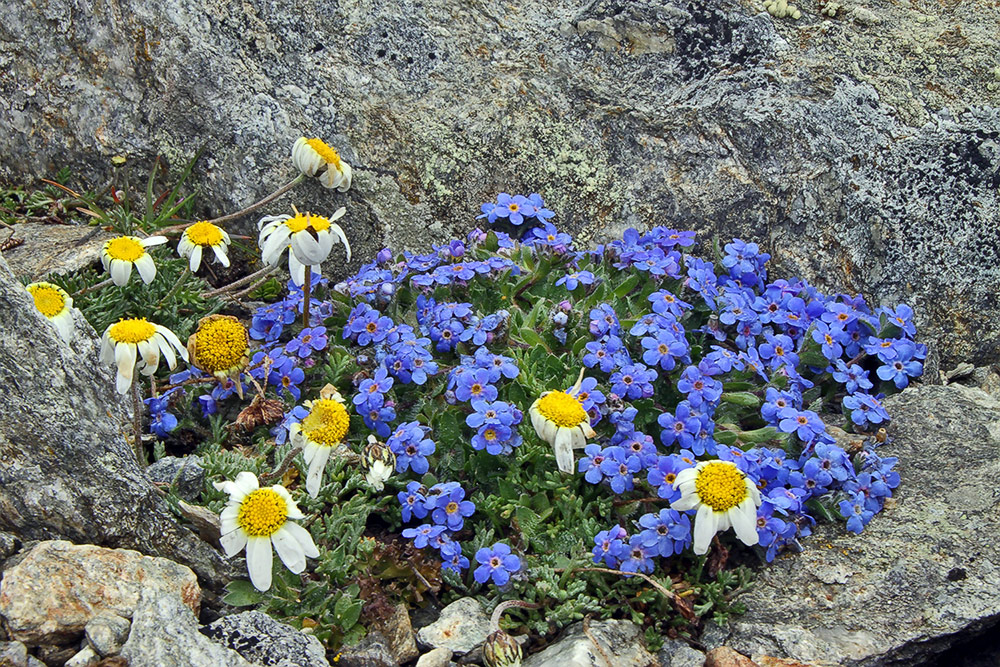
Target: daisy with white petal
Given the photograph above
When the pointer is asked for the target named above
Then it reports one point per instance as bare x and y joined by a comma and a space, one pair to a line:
319, 432
122, 252
724, 496
255, 519
310, 238
313, 157
560, 420
137, 340
200, 237
56, 304
220, 347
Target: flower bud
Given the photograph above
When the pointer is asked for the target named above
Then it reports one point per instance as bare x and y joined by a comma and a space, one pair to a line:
383, 256
501, 650
379, 462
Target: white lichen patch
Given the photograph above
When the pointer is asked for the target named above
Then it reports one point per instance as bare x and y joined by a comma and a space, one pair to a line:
781, 9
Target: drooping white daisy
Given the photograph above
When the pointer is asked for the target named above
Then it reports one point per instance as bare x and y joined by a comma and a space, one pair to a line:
319, 432
313, 157
201, 236
724, 496
121, 252
310, 238
379, 462
221, 348
137, 339
56, 304
257, 518
560, 420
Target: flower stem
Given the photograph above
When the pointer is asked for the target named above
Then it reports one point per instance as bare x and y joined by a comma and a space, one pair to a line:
238, 283
137, 423
305, 297
99, 285
266, 200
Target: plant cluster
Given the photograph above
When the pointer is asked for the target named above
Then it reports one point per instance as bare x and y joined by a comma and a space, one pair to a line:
510, 417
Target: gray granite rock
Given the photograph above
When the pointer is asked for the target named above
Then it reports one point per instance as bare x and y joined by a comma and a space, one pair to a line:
13, 654
54, 248
438, 657
923, 575
66, 469
861, 148
165, 634
106, 633
9, 545
462, 626
620, 644
185, 471
372, 651
677, 653
398, 632
264, 641
85, 657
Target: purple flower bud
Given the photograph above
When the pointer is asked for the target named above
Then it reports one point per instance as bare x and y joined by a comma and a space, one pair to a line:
383, 256
560, 319
449, 397
565, 306
456, 248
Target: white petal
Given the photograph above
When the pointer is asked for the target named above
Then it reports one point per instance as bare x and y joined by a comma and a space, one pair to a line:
343, 238
309, 449
259, 562
220, 254
232, 540
296, 269
107, 347
121, 271
246, 482
331, 178
195, 259
125, 359
173, 340
686, 475
685, 502
146, 268
704, 529
304, 538
185, 246
64, 323
290, 507
275, 244
150, 354
579, 439
316, 468
153, 240
347, 175
289, 550
168, 352
550, 431
338, 214
564, 451
744, 520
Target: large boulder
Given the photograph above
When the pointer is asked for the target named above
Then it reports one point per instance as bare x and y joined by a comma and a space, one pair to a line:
860, 144
66, 468
924, 574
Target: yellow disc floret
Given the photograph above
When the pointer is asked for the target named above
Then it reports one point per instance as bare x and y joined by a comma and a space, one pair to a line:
126, 248
326, 423
562, 409
220, 344
721, 486
204, 234
48, 299
303, 220
262, 513
329, 155
132, 330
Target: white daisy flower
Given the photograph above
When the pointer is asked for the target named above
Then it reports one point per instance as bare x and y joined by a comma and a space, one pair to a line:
137, 339
560, 420
724, 496
310, 238
201, 236
323, 429
121, 252
257, 518
56, 304
313, 157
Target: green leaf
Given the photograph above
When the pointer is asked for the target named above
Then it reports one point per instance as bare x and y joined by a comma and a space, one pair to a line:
531, 338
744, 398
759, 435
626, 286
241, 593
727, 438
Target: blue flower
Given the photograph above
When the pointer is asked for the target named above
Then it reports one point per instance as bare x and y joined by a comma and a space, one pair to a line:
664, 473
590, 463
413, 501
903, 367
604, 321
830, 337
607, 354
475, 384
700, 388
664, 301
664, 350
371, 391
411, 447
496, 563
541, 212
451, 509
666, 533
547, 235
423, 534
610, 546
514, 208
638, 557
286, 376
491, 437
856, 512
633, 382
619, 466
573, 280
865, 409
780, 350
805, 424
308, 341
901, 318
853, 378
452, 558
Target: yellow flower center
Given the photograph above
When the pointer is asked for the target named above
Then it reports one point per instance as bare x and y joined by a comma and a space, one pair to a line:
721, 486
126, 248
562, 409
204, 234
262, 513
451, 507
48, 300
133, 330
303, 220
220, 344
329, 155
327, 423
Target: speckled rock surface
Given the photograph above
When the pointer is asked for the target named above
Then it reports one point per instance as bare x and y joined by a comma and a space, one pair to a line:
462, 626
51, 595
66, 470
264, 641
54, 249
924, 574
620, 644
859, 144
